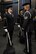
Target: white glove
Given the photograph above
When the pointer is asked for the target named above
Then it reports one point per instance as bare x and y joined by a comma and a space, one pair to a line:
5, 30
19, 26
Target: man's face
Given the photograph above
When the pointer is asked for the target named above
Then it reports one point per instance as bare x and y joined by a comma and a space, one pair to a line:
27, 7
10, 10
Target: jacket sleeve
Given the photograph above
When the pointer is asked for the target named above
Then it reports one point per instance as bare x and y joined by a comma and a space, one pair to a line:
5, 21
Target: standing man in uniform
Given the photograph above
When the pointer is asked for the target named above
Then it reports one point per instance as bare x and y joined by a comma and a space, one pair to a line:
20, 21
9, 21
27, 25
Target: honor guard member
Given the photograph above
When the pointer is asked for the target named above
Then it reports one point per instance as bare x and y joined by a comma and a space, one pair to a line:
27, 25
9, 21
20, 20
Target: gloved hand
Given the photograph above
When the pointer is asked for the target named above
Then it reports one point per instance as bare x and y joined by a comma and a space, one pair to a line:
19, 26
22, 28
5, 30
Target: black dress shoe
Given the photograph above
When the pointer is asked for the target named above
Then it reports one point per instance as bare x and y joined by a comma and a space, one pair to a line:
24, 50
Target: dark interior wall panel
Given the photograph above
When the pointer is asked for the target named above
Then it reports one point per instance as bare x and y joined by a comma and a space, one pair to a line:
33, 3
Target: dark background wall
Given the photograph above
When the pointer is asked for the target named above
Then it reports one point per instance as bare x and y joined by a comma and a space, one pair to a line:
33, 3
15, 6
